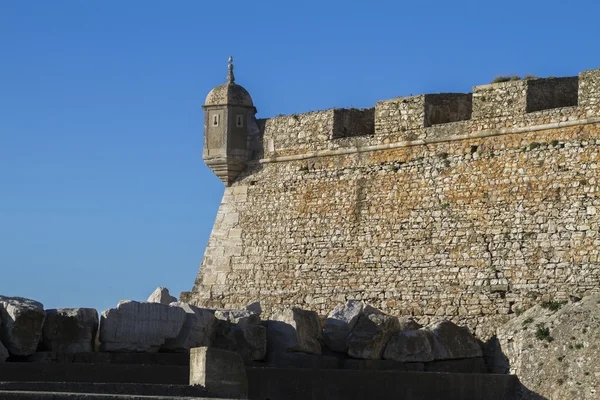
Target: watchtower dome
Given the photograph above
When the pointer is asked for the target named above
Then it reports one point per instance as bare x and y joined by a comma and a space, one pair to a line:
228, 112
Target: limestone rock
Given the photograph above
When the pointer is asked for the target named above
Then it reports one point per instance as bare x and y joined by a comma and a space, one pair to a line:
554, 353
295, 330
371, 334
254, 307
238, 317
70, 330
199, 329
450, 341
409, 346
161, 295
240, 331
408, 323
22, 320
340, 323
3, 353
135, 326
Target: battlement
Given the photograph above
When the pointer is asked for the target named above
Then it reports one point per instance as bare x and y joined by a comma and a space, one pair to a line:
498, 106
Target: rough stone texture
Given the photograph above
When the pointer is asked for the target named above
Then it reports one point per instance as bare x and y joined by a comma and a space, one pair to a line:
3, 353
371, 334
466, 220
220, 372
409, 346
198, 330
450, 341
408, 323
135, 326
21, 322
161, 295
295, 330
241, 332
340, 323
562, 364
70, 330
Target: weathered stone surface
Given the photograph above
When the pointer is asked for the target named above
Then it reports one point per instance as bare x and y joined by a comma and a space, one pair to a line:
70, 330
3, 353
408, 323
21, 324
198, 330
221, 372
450, 341
371, 334
238, 317
409, 346
555, 354
340, 323
135, 326
254, 307
240, 331
161, 295
295, 330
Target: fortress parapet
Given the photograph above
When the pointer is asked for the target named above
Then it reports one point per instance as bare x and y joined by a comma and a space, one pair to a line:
489, 109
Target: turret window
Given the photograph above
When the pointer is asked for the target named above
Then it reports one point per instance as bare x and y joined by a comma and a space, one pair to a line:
215, 120
239, 121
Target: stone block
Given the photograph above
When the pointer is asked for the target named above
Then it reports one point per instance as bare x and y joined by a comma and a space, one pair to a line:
295, 330
21, 324
198, 330
222, 373
371, 334
3, 353
409, 346
449, 341
135, 326
340, 323
70, 330
161, 295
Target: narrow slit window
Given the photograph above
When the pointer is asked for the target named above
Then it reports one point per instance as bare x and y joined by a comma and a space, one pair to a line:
239, 121
216, 120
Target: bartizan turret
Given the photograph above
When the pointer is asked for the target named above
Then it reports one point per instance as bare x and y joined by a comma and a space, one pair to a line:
228, 113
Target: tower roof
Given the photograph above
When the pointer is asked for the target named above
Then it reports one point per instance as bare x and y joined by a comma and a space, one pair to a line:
229, 93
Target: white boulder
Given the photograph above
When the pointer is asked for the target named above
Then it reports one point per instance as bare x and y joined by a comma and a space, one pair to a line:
21, 324
199, 329
161, 295
340, 323
371, 334
70, 330
140, 327
295, 330
450, 341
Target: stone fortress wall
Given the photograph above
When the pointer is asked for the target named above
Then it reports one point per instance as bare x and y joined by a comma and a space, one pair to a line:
464, 206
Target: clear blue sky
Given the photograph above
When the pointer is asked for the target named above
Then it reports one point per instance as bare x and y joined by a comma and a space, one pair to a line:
103, 192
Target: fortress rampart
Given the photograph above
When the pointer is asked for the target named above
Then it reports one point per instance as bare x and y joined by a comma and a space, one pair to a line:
465, 206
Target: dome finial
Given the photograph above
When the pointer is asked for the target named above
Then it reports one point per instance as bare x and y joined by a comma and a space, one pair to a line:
230, 76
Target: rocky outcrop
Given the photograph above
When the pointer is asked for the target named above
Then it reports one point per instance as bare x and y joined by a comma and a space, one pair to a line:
554, 349
70, 330
21, 324
371, 334
240, 331
340, 323
135, 326
161, 295
450, 341
295, 330
198, 330
409, 346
